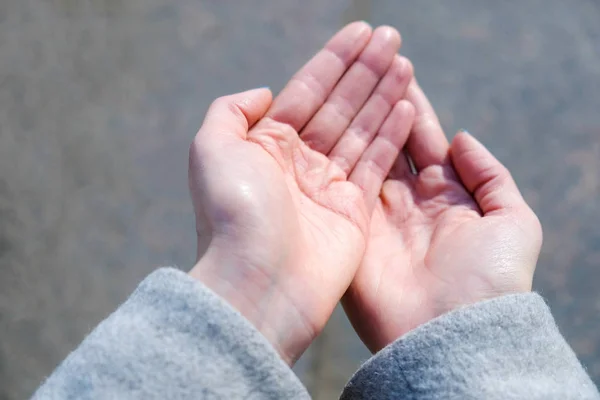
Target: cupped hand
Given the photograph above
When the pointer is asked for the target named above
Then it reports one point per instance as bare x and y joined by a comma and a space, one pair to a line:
288, 226
455, 233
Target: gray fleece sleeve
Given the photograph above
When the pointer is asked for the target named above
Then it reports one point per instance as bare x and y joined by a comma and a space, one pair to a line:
173, 339
505, 348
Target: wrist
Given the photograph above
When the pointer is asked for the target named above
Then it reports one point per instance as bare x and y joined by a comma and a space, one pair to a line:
258, 297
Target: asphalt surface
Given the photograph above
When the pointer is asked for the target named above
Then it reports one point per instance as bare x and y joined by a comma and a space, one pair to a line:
99, 100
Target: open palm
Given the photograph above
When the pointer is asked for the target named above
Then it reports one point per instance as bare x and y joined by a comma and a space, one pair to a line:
455, 233
289, 226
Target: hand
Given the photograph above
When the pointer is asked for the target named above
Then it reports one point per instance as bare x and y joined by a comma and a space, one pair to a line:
288, 226
456, 233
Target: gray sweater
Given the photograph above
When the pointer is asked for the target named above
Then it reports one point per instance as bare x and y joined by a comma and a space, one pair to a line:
175, 339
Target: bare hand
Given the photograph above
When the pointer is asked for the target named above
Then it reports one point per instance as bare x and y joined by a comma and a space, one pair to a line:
456, 233
289, 227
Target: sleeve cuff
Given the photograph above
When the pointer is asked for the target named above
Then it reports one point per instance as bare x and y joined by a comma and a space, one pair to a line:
174, 338
504, 348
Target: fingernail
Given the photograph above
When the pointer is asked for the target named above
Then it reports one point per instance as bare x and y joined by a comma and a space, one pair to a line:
465, 131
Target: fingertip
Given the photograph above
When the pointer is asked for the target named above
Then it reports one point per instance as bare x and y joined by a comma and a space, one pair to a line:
402, 71
389, 33
467, 153
260, 92
350, 38
257, 94
406, 109
236, 113
407, 67
484, 176
267, 93
461, 137
415, 94
360, 27
254, 102
465, 142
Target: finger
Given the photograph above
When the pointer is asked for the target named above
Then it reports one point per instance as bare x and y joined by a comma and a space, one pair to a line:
484, 176
326, 127
309, 87
234, 115
427, 144
375, 164
362, 130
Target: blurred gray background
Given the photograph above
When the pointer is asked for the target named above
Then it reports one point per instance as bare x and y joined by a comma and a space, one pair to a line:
99, 100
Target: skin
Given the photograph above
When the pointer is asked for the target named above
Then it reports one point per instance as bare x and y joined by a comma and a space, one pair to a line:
308, 197
456, 233
289, 226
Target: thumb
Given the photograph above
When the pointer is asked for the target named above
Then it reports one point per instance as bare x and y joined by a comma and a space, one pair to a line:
490, 183
227, 117
235, 114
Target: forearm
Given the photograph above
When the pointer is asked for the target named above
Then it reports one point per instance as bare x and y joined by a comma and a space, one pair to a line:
173, 338
506, 348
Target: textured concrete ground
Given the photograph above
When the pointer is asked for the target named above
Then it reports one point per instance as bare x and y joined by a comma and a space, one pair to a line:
99, 100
